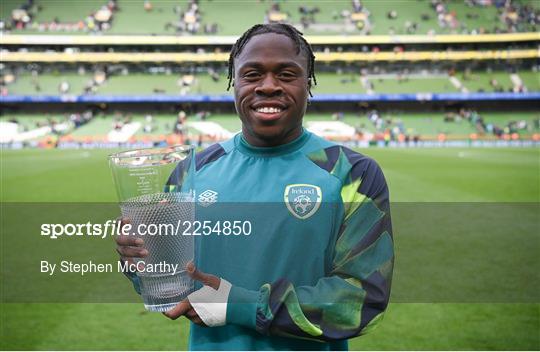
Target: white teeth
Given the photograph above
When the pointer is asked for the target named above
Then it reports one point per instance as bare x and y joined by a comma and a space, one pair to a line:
268, 110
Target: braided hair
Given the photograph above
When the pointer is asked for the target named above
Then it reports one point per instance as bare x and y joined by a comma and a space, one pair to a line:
279, 28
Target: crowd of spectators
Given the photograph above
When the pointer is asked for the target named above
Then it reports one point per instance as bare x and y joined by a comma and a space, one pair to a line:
389, 129
518, 17
393, 129
59, 125
80, 119
493, 85
190, 20
24, 16
64, 87
410, 26
37, 79
482, 127
307, 15
177, 127
445, 18
359, 17
513, 16
120, 120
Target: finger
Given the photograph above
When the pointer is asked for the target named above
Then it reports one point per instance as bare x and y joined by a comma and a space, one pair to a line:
128, 260
207, 279
132, 266
126, 251
123, 220
180, 309
198, 321
191, 314
194, 317
129, 240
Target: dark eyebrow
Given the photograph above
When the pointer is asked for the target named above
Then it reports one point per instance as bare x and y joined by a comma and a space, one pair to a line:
258, 65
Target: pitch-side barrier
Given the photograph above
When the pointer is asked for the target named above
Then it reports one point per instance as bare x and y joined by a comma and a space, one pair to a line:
226, 98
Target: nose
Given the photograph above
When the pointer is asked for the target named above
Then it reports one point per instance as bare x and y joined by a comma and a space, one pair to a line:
269, 86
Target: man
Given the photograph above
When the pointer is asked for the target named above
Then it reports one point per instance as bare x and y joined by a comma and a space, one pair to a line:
317, 268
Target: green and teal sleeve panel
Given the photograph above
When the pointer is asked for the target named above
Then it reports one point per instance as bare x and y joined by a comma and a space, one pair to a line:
351, 300
132, 276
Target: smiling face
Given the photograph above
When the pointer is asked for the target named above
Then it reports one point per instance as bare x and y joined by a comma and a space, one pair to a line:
271, 90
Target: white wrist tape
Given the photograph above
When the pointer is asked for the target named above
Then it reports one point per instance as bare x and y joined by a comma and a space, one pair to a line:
210, 304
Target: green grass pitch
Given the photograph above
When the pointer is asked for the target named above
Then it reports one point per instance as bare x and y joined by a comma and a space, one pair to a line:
425, 175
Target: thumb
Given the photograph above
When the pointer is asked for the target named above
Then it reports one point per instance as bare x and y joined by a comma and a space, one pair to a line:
206, 279
180, 309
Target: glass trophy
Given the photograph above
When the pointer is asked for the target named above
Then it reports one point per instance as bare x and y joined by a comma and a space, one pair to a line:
156, 192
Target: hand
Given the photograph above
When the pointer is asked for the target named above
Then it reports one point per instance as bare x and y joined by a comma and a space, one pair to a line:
129, 246
185, 308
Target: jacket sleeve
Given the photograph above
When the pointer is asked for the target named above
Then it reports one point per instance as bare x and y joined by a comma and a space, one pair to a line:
132, 276
352, 299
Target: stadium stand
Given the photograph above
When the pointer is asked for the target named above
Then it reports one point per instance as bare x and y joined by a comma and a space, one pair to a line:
121, 72
204, 17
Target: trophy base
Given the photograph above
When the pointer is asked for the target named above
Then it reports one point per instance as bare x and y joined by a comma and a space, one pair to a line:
164, 292
160, 307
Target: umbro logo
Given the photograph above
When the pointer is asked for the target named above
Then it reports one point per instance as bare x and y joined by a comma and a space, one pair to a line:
207, 198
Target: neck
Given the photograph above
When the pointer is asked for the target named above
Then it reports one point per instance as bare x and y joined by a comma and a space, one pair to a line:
272, 141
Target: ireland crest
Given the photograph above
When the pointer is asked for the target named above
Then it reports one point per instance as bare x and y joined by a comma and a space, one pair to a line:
303, 200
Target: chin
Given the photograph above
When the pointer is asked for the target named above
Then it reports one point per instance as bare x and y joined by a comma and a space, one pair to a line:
268, 134
272, 135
